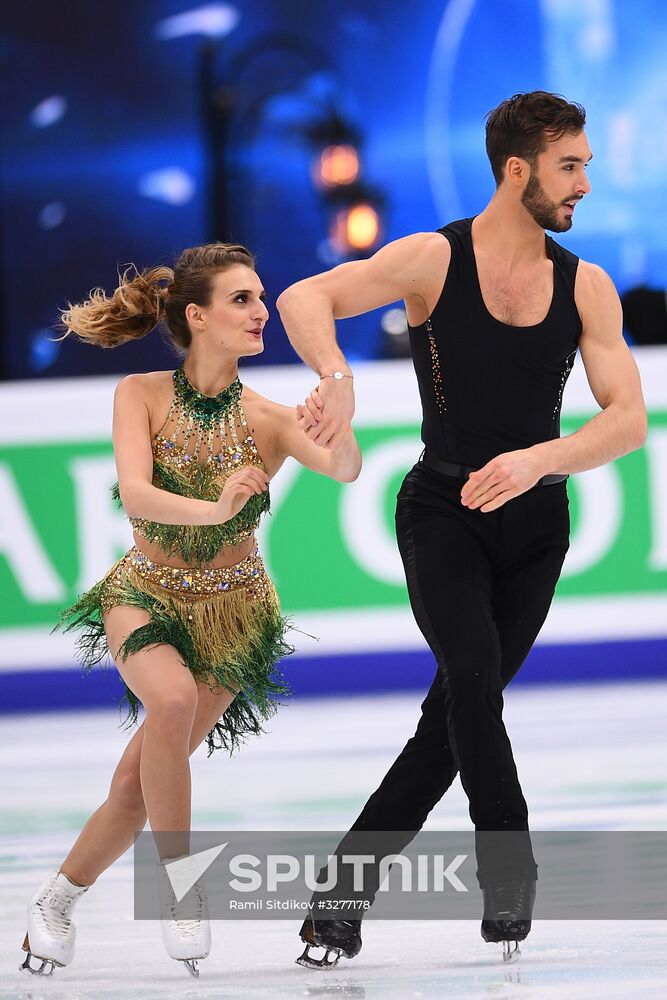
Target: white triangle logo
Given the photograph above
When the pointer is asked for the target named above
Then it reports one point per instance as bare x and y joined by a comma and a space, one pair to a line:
184, 873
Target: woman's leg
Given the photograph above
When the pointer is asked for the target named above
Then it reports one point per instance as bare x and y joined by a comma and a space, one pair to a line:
167, 690
112, 828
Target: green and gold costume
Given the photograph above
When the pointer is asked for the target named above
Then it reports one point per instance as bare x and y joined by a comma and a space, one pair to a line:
225, 622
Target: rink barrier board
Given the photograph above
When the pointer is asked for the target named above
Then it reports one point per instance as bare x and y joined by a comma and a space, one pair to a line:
338, 573
368, 673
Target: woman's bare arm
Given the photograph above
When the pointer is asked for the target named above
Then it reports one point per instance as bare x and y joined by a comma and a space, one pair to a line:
134, 463
342, 463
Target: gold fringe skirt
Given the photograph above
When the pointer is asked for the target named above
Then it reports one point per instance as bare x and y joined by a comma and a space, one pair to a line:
225, 623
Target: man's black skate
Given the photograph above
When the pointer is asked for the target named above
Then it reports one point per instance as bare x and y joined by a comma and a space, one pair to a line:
337, 937
508, 911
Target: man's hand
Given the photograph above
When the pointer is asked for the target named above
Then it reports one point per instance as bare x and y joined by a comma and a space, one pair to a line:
326, 415
503, 478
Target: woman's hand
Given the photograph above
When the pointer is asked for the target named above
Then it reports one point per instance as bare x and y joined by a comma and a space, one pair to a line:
326, 414
309, 413
236, 492
344, 456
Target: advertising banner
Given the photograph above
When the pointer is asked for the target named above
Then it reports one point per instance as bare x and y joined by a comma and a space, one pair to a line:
330, 547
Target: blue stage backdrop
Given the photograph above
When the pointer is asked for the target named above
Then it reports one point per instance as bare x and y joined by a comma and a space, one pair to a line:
107, 158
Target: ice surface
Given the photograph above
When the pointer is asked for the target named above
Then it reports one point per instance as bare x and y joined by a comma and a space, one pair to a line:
589, 757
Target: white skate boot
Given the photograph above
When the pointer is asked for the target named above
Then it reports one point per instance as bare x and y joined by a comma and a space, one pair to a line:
186, 931
51, 934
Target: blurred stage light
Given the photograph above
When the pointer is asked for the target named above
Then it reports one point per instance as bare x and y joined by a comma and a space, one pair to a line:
395, 335
215, 20
52, 215
338, 165
356, 227
353, 208
394, 322
49, 111
171, 185
44, 350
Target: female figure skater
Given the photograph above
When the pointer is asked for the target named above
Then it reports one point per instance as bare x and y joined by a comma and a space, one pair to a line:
189, 614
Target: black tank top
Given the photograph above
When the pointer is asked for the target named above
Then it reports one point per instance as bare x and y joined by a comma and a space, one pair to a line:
487, 387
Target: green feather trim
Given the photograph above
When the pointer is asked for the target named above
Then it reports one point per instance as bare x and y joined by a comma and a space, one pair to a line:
85, 617
249, 667
197, 544
201, 483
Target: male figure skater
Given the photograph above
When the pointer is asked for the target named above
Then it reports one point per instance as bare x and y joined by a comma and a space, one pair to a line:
497, 311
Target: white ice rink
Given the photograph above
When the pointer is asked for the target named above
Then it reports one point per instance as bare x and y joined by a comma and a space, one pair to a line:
589, 758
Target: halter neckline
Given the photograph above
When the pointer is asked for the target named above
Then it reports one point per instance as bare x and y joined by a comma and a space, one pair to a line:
202, 405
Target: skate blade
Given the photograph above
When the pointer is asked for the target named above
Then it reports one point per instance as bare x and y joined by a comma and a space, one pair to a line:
511, 954
45, 969
192, 966
318, 963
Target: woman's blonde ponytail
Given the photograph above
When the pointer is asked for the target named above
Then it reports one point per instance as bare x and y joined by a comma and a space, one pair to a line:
133, 310
156, 296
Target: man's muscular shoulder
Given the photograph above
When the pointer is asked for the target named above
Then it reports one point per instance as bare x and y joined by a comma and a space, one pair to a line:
597, 302
432, 255
592, 287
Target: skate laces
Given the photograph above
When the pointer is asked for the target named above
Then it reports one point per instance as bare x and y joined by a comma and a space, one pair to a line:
188, 928
507, 897
189, 925
53, 911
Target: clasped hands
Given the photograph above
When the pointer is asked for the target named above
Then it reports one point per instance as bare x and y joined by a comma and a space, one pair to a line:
325, 416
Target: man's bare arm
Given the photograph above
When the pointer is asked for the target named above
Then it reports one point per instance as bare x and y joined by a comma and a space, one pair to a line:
413, 268
614, 380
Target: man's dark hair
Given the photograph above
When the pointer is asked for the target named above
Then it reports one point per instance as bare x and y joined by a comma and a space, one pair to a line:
524, 123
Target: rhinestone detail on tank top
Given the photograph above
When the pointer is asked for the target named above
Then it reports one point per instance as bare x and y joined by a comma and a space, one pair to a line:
564, 375
435, 367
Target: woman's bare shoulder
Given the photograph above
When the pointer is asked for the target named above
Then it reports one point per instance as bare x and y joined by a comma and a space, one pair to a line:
148, 385
152, 389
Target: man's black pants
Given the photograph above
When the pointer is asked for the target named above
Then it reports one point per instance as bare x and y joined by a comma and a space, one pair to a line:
480, 586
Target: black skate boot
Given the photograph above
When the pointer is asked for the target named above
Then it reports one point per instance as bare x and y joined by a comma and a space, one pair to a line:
508, 911
337, 937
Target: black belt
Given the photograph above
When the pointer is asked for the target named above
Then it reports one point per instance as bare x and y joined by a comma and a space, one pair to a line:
432, 461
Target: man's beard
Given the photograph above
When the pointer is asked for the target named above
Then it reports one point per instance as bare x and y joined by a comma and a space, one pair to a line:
542, 209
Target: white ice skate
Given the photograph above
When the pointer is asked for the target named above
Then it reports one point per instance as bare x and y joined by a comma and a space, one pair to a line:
51, 934
186, 932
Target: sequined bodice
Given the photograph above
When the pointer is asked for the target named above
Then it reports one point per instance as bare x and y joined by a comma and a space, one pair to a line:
205, 432
203, 440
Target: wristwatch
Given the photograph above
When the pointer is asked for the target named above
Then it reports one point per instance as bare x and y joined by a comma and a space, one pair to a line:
337, 375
